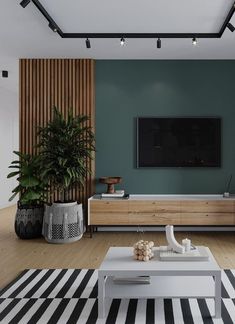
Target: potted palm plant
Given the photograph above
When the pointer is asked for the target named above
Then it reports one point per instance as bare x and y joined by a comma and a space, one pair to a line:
65, 145
31, 191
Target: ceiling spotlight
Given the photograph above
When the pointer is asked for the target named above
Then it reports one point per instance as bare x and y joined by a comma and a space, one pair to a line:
194, 41
122, 41
159, 43
88, 43
231, 27
53, 27
24, 3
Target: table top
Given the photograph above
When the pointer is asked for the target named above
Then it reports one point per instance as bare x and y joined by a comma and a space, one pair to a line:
168, 197
120, 259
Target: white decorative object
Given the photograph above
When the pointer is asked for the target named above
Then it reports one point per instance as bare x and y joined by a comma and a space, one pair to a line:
187, 244
143, 250
172, 241
198, 254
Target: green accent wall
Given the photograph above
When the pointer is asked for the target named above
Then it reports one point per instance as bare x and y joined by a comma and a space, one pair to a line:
126, 89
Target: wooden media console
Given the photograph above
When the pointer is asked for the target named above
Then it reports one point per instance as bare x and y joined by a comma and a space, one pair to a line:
156, 210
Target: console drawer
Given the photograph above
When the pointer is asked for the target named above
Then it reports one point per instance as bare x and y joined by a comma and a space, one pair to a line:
154, 206
154, 218
109, 206
207, 219
109, 219
208, 206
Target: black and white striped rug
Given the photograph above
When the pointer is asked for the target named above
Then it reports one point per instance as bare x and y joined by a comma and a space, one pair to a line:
70, 296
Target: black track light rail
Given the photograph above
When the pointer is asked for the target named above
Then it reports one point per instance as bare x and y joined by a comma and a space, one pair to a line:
50, 20
47, 16
140, 35
227, 20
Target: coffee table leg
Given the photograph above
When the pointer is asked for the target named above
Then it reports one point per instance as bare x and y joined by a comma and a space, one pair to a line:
101, 296
218, 295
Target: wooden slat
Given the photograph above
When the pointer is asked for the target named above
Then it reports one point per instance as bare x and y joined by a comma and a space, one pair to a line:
65, 83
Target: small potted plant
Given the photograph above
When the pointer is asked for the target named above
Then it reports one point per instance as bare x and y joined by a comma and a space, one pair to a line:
31, 190
65, 144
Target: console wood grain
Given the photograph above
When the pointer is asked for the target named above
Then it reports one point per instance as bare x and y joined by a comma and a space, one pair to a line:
162, 212
211, 206
207, 219
104, 206
154, 218
154, 206
112, 218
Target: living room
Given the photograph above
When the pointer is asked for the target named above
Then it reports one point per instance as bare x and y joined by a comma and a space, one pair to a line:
152, 103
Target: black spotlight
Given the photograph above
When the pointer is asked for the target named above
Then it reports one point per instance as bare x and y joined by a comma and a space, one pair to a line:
5, 74
231, 27
88, 43
53, 27
159, 43
24, 3
122, 41
194, 41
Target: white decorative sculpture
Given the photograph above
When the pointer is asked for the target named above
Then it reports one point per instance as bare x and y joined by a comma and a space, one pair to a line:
173, 244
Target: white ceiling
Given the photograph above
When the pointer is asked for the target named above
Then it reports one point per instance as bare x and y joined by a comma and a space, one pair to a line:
25, 32
139, 15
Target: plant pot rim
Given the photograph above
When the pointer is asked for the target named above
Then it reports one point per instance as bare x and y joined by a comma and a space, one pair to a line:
21, 206
65, 204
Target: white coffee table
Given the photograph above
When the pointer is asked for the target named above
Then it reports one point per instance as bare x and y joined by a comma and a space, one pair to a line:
169, 279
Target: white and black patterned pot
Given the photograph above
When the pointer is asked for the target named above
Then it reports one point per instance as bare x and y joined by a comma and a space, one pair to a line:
28, 221
63, 222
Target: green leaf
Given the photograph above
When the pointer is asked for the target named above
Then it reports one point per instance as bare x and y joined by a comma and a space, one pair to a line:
14, 167
23, 156
31, 195
69, 173
13, 196
12, 174
29, 181
18, 153
16, 162
62, 161
66, 181
17, 189
27, 170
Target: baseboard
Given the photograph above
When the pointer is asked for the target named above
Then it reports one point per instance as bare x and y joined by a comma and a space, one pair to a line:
162, 229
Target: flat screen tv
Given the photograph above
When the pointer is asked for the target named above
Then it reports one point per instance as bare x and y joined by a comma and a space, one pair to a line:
178, 142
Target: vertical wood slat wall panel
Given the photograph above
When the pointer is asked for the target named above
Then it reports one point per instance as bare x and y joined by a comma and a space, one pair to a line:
64, 83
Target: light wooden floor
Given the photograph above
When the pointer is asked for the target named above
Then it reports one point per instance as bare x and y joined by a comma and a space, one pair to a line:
16, 254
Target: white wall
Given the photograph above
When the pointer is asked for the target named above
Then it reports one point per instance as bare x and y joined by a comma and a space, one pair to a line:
9, 125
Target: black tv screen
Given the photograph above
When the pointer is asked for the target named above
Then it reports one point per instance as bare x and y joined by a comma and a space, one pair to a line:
178, 142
